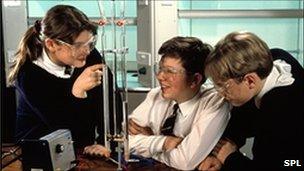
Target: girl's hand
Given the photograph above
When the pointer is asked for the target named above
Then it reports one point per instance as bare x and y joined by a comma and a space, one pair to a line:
88, 79
96, 150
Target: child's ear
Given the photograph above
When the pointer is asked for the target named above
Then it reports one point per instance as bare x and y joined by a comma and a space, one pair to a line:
251, 79
50, 44
197, 79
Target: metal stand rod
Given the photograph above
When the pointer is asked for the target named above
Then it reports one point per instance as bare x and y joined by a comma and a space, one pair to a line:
114, 66
120, 137
124, 81
106, 110
102, 35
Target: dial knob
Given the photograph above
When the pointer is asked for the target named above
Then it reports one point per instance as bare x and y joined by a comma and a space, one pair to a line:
59, 148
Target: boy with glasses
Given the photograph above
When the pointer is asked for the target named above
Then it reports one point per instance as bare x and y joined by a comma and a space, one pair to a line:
179, 122
266, 88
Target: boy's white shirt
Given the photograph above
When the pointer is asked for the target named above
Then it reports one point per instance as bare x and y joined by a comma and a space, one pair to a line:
201, 123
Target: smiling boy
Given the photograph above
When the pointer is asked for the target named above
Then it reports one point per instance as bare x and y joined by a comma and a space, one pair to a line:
181, 121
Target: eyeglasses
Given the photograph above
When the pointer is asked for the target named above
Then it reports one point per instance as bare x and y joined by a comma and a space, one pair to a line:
167, 71
222, 88
80, 45
225, 86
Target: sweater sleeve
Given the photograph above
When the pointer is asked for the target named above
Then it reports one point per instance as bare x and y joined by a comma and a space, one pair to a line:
241, 123
238, 162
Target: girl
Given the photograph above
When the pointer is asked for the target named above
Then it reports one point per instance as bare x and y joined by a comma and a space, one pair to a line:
57, 74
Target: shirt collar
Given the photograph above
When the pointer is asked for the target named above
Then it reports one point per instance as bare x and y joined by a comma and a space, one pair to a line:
279, 76
187, 106
45, 63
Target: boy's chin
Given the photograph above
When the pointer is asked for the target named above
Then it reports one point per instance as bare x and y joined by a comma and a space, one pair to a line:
166, 96
79, 64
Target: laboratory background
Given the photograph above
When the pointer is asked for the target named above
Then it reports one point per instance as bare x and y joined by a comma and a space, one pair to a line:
131, 50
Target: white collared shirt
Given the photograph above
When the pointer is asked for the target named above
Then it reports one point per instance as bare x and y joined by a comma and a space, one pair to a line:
279, 76
45, 63
201, 122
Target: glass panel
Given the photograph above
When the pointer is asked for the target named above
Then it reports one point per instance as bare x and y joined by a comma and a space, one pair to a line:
240, 4
301, 46
184, 5
283, 33
277, 33
90, 8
